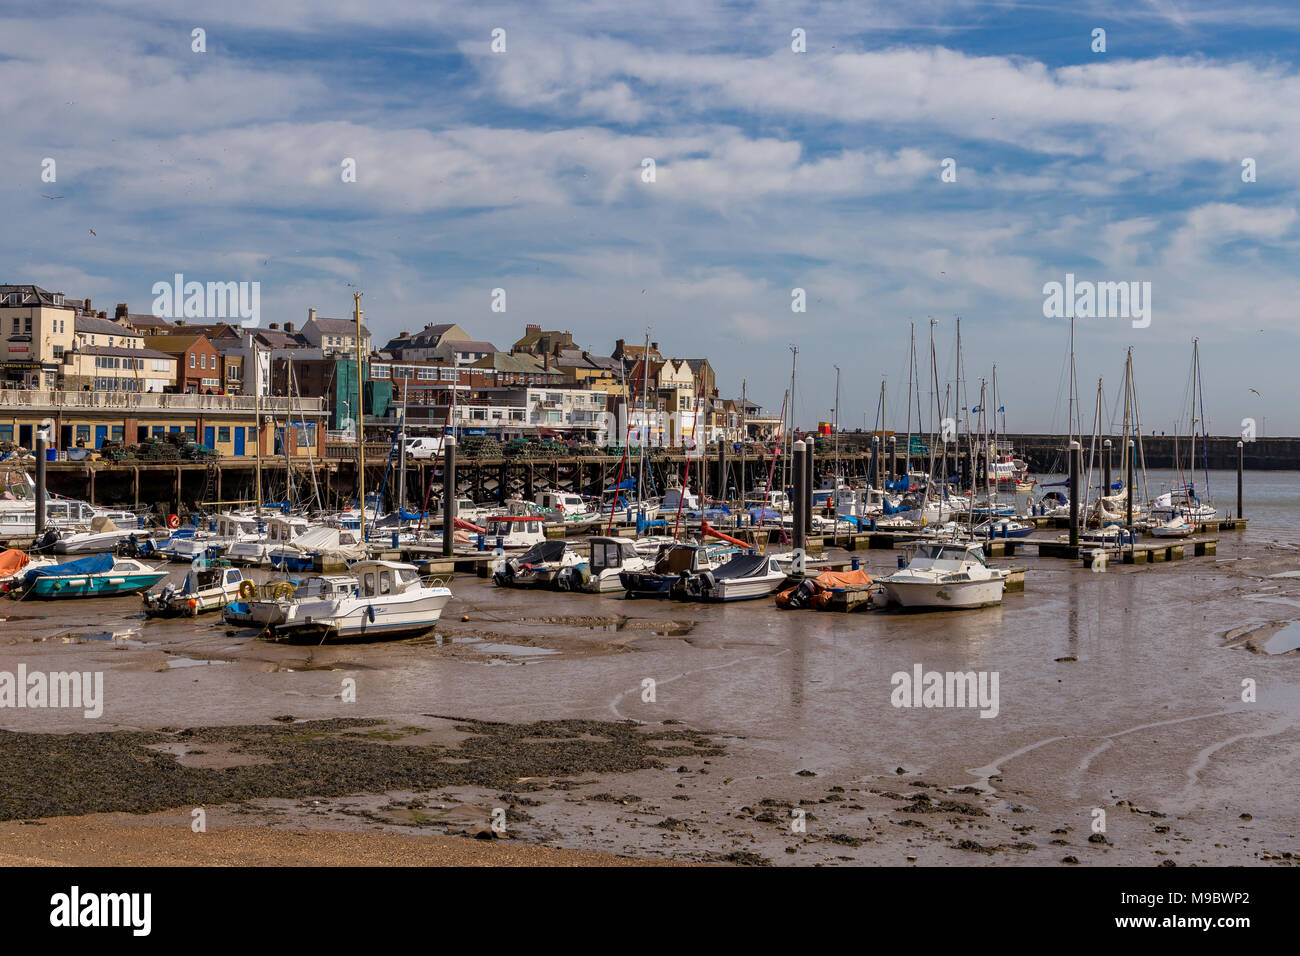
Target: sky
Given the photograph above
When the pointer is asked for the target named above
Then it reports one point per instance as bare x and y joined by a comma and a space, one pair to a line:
523, 169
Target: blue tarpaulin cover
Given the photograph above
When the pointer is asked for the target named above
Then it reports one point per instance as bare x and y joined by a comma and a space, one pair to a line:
91, 564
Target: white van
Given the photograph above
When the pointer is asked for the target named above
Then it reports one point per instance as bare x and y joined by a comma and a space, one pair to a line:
425, 447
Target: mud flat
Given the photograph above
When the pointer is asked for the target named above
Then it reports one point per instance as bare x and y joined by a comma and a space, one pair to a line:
688, 733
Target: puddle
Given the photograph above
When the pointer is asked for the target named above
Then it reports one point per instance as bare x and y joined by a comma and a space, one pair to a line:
1285, 640
513, 650
174, 662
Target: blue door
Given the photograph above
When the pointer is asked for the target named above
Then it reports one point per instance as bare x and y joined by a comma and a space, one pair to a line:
239, 440
210, 436
101, 432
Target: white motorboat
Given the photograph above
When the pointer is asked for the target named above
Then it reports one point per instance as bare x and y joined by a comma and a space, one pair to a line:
103, 535
947, 575
333, 545
564, 507
607, 559
204, 589
390, 600
277, 530
538, 567
1176, 527
277, 601
1182, 502
514, 532
743, 578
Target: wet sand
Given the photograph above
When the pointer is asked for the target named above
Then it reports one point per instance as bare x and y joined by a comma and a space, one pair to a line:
1120, 691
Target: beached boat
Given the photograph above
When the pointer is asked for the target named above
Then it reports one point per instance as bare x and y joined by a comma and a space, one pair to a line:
99, 575
607, 559
514, 532
672, 561
330, 545
14, 564
390, 600
538, 567
948, 575
277, 530
274, 602
1176, 527
103, 535
204, 589
743, 578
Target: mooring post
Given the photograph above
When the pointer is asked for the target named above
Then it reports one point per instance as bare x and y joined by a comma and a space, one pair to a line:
808, 485
800, 477
40, 482
448, 495
1241, 467
1128, 464
1075, 449
1105, 467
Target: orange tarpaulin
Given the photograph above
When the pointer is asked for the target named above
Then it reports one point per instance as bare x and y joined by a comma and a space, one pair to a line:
823, 584
12, 561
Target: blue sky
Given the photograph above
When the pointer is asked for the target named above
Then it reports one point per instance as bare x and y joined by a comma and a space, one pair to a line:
774, 170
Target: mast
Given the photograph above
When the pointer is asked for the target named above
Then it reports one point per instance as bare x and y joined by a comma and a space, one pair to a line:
911, 364
257, 415
361, 420
836, 425
789, 436
645, 414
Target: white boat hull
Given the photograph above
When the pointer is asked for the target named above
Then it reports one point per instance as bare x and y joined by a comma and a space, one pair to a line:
953, 595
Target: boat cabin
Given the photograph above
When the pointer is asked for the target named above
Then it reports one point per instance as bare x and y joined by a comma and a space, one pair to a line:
382, 578
610, 553
516, 531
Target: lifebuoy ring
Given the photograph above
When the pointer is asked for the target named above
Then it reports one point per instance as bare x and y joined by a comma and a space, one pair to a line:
173, 521
248, 590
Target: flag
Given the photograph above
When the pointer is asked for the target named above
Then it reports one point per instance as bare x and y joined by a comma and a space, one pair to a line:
1003, 409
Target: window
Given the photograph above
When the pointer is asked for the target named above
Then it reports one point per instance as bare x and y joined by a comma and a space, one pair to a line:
15, 325
379, 371
119, 433
6, 433
223, 433
234, 373
58, 351
157, 431
191, 432
161, 365
450, 374
193, 360
83, 433
27, 325
203, 360
426, 374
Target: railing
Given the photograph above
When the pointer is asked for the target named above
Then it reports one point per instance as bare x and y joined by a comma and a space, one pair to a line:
155, 401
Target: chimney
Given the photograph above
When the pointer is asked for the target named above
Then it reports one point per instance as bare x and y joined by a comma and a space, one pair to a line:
529, 329
120, 312
404, 335
275, 326
311, 315
288, 328
654, 347
618, 347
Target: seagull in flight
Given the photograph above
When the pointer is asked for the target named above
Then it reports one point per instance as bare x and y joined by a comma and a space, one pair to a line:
1255, 390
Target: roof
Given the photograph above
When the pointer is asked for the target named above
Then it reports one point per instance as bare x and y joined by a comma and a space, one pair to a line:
579, 358
471, 346
175, 343
33, 295
85, 323
427, 338
280, 340
506, 362
338, 326
148, 320
115, 350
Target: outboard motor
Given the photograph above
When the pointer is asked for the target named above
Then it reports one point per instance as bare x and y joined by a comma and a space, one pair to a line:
47, 540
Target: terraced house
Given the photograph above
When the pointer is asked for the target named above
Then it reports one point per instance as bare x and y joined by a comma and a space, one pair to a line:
36, 328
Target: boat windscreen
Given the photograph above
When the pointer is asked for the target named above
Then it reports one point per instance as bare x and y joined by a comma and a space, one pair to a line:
742, 566
542, 552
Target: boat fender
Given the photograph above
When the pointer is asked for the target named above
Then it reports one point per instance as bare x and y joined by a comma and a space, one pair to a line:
248, 590
370, 613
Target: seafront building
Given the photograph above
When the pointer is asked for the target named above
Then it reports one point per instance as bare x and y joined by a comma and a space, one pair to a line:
100, 379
